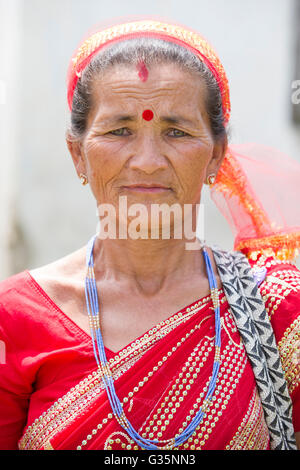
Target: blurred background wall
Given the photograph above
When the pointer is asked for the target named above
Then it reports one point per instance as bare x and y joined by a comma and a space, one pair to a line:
44, 211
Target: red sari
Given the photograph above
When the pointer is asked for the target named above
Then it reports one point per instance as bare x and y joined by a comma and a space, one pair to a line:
52, 395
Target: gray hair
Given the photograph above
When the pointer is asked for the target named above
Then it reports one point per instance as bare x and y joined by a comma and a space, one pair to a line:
151, 51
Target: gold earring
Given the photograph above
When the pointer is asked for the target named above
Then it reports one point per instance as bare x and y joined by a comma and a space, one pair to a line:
83, 179
211, 179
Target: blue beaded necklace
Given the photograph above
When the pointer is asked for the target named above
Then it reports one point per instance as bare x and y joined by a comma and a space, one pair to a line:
108, 380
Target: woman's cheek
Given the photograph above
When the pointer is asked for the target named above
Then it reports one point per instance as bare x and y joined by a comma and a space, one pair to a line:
103, 169
100, 158
194, 172
196, 160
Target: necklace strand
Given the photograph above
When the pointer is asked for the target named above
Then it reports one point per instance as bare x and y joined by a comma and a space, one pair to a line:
100, 356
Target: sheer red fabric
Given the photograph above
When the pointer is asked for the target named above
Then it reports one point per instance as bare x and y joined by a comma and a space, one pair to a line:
257, 190
51, 392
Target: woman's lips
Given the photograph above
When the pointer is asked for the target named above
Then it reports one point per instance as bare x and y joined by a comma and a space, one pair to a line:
147, 189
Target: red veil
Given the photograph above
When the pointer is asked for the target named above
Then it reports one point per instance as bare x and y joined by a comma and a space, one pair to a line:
257, 189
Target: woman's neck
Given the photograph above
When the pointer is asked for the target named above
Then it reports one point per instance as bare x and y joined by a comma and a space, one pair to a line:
148, 265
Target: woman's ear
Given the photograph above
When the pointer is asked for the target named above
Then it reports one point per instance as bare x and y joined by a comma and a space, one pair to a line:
219, 152
75, 149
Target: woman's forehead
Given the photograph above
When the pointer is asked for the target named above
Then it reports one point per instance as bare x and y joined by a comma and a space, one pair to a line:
142, 72
169, 101
161, 82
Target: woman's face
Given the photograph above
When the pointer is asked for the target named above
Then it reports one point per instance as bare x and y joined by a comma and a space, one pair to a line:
121, 149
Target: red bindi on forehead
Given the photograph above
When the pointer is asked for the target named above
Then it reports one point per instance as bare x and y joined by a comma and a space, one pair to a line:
148, 115
142, 71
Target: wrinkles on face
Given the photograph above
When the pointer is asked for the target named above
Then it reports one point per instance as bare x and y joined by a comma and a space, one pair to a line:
167, 85
121, 147
124, 80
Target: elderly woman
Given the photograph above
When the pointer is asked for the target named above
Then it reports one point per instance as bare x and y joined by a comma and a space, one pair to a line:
141, 342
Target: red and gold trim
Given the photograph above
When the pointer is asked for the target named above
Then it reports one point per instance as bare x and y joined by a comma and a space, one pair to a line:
282, 246
173, 33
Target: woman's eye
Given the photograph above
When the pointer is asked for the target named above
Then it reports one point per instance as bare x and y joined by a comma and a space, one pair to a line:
120, 132
177, 133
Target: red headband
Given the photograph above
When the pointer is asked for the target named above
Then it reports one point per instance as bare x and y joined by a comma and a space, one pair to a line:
172, 33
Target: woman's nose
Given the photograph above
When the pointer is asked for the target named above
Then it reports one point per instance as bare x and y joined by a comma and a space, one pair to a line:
148, 157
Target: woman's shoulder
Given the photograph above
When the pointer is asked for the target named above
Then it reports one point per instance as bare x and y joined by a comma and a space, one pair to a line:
282, 277
280, 291
18, 301
278, 281
13, 288
36, 299
69, 266
22, 284
28, 307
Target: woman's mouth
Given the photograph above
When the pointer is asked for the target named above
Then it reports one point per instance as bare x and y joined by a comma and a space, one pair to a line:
147, 188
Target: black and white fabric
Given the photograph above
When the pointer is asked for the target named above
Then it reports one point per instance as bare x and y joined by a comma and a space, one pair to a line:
251, 318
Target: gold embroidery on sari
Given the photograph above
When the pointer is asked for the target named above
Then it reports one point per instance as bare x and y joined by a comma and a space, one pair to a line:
289, 349
110, 441
252, 434
223, 394
178, 391
155, 426
240, 345
277, 287
48, 446
148, 376
261, 260
214, 409
62, 412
